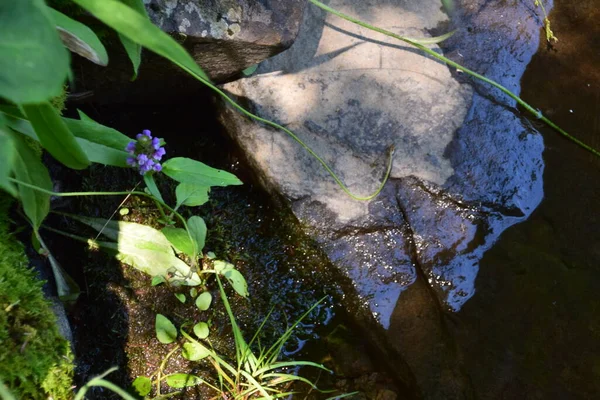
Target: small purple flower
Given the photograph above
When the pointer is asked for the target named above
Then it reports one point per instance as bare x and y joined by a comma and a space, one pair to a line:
147, 153
131, 147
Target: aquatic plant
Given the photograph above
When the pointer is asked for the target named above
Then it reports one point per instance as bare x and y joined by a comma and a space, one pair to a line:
251, 375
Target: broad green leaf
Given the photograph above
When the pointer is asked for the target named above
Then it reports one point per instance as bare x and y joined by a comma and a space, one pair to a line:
33, 61
152, 188
165, 330
180, 240
191, 195
237, 281
144, 248
28, 168
201, 330
134, 50
186, 170
92, 131
197, 228
7, 160
79, 38
235, 277
180, 297
193, 292
178, 381
95, 152
203, 301
142, 385
157, 280
139, 29
194, 351
55, 136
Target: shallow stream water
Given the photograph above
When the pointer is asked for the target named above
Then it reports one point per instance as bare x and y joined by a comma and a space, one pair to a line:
532, 330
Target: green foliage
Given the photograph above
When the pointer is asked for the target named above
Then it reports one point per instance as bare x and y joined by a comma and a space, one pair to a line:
33, 62
165, 330
35, 361
132, 48
80, 39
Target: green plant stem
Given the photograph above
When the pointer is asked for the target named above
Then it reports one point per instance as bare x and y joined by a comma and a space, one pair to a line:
474, 74
76, 194
162, 367
100, 381
307, 148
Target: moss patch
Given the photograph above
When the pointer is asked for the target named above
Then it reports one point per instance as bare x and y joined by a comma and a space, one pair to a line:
35, 361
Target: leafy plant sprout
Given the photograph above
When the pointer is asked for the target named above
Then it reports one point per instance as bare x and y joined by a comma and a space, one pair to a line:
260, 375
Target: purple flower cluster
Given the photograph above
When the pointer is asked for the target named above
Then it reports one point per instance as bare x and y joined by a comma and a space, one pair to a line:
146, 153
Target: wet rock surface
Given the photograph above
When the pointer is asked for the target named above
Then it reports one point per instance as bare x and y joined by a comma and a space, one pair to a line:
466, 165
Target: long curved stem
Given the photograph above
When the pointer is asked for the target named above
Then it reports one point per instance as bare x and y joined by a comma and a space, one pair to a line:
77, 194
474, 74
306, 147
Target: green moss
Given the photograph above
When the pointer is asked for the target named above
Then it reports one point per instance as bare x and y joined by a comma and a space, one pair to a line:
35, 361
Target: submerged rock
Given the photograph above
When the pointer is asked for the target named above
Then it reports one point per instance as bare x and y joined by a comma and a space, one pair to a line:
465, 167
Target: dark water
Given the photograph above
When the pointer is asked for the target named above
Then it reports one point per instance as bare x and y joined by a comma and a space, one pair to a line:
532, 330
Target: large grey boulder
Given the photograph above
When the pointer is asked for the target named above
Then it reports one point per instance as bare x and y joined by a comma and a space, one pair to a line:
465, 167
223, 36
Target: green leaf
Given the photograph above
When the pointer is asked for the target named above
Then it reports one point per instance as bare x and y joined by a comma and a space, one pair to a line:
7, 159
178, 381
55, 136
191, 195
95, 152
194, 351
157, 280
139, 29
165, 330
28, 168
193, 292
88, 129
142, 385
180, 297
197, 228
203, 301
186, 170
152, 188
33, 61
201, 330
144, 248
235, 277
237, 281
83, 116
250, 70
134, 50
79, 38
180, 240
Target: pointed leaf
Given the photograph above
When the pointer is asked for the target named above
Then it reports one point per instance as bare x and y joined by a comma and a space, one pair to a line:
197, 228
203, 301
237, 281
79, 38
152, 188
33, 61
28, 168
134, 50
180, 239
92, 131
191, 195
178, 381
142, 385
194, 351
180, 297
201, 330
186, 170
165, 330
8, 155
55, 136
139, 29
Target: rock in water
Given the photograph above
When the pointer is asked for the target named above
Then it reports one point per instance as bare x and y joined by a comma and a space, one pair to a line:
465, 167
